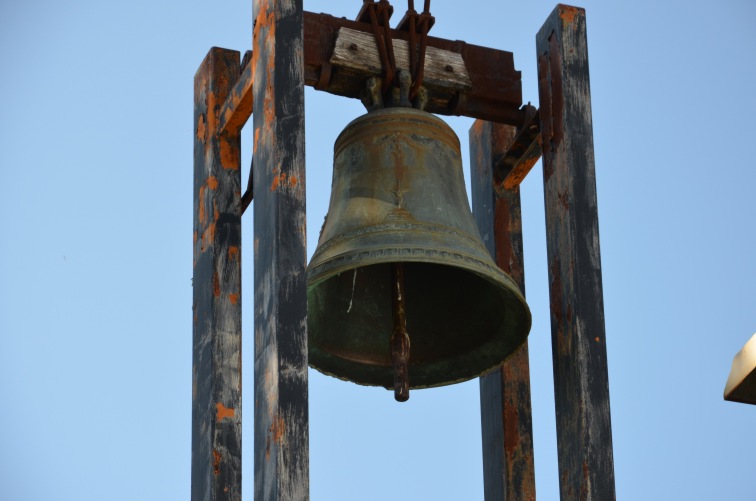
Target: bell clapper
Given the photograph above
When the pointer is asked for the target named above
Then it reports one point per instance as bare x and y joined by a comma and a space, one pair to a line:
400, 342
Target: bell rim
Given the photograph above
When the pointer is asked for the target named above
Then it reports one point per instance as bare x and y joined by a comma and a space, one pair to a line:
412, 386
496, 278
411, 254
507, 287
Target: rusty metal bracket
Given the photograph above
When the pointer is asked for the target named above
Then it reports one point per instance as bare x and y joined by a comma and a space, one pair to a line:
512, 167
378, 14
404, 24
410, 23
237, 107
325, 76
246, 199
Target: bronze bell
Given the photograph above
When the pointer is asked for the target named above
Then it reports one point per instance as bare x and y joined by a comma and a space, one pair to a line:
401, 290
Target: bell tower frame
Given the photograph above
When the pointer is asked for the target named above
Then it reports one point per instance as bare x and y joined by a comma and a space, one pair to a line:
291, 49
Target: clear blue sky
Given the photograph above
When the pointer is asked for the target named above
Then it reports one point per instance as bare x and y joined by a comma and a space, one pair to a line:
96, 263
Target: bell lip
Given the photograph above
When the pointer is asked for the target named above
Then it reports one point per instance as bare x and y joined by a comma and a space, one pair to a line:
331, 267
425, 386
503, 280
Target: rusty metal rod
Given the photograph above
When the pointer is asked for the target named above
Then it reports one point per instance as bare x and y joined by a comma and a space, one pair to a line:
388, 73
412, 38
400, 342
420, 62
246, 199
387, 37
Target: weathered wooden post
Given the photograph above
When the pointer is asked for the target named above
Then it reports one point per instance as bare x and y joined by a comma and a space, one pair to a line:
281, 419
216, 367
581, 386
506, 416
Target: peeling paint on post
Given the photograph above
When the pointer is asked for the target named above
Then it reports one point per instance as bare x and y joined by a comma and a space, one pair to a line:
216, 367
506, 416
281, 417
581, 386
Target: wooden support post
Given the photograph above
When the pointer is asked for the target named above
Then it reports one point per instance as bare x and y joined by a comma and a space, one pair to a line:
216, 367
506, 417
281, 418
581, 387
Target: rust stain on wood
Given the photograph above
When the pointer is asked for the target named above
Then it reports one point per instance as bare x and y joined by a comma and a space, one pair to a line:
228, 115
202, 129
233, 252
238, 106
224, 412
208, 236
557, 92
277, 180
212, 183
265, 25
269, 111
505, 257
229, 154
511, 431
201, 201
568, 13
278, 429
275, 434
234, 298
212, 111
216, 462
216, 284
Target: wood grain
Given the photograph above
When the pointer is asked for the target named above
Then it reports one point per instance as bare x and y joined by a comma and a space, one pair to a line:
216, 323
505, 405
357, 51
280, 336
581, 386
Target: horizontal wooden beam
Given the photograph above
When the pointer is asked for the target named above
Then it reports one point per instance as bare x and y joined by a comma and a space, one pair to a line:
237, 108
523, 153
495, 96
355, 52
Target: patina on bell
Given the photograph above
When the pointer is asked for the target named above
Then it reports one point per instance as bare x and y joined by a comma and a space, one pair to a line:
398, 196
